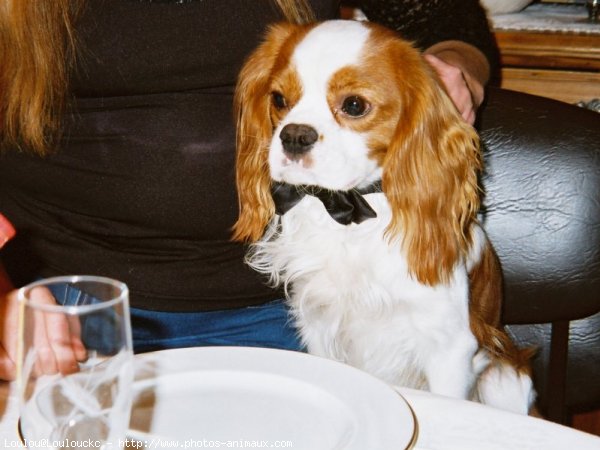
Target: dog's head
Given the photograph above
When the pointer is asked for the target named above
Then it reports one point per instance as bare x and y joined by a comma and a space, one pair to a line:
341, 104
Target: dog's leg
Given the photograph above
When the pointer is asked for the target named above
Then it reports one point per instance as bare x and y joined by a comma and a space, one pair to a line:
506, 383
317, 331
504, 387
450, 370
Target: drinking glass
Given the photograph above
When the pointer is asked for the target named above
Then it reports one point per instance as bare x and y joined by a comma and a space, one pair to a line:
74, 363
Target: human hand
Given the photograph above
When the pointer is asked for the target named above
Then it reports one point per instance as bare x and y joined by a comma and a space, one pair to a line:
56, 338
465, 91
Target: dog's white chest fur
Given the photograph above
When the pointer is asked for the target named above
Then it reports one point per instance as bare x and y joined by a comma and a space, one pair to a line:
353, 297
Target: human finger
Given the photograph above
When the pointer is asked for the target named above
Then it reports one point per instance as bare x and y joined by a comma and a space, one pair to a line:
76, 343
53, 337
45, 361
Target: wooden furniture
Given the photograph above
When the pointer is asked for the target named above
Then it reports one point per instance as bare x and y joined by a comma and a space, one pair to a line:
550, 50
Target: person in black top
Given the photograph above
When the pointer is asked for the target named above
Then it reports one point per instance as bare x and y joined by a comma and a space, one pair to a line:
132, 176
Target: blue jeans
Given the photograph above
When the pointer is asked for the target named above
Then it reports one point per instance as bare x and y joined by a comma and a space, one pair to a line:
267, 325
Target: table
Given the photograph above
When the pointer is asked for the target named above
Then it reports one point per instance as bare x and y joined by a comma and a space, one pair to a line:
550, 50
444, 424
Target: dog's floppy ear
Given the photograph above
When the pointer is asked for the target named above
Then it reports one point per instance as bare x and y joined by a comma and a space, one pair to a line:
430, 174
254, 132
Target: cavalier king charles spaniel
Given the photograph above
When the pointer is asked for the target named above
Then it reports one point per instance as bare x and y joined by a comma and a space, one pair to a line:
358, 188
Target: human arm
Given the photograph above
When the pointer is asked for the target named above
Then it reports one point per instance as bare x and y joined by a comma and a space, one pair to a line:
455, 36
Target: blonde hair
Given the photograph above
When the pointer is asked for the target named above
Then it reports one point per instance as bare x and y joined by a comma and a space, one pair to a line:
36, 42
37, 47
296, 11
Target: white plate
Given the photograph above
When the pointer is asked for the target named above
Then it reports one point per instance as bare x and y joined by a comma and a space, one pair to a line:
236, 396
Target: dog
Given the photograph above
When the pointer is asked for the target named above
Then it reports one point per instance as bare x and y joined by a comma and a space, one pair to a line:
358, 184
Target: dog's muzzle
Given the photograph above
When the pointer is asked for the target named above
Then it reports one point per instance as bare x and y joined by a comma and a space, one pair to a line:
297, 140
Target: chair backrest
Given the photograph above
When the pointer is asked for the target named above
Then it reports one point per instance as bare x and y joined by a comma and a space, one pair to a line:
542, 200
542, 186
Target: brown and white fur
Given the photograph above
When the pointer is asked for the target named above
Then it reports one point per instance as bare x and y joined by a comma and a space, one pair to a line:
412, 296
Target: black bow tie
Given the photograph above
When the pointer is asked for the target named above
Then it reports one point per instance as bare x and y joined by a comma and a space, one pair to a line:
344, 207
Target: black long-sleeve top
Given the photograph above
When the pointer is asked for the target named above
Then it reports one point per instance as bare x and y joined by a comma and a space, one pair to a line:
142, 185
429, 22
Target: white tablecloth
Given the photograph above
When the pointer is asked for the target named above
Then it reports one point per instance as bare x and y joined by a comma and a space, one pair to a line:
443, 424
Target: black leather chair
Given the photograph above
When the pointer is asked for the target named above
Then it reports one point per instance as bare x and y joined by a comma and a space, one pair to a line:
542, 213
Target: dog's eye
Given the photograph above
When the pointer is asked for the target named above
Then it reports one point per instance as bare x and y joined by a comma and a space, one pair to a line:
355, 106
278, 100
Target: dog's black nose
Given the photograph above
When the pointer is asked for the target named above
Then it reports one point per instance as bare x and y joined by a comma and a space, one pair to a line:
297, 139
